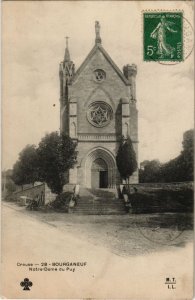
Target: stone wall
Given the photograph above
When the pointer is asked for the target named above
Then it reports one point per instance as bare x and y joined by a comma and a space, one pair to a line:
163, 185
42, 192
86, 90
116, 91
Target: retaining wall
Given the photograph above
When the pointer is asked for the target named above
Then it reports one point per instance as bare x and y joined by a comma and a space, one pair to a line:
42, 192
163, 185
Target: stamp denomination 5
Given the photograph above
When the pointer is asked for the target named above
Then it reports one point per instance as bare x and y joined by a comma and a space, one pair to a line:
163, 36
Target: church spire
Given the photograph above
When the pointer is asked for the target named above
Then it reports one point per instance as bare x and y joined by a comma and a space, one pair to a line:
97, 33
67, 70
67, 53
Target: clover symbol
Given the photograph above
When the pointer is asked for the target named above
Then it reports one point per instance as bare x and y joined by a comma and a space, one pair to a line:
26, 283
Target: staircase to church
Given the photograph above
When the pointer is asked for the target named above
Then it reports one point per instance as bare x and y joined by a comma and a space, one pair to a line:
99, 202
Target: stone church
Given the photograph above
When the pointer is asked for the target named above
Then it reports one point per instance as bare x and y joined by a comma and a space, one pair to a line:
97, 108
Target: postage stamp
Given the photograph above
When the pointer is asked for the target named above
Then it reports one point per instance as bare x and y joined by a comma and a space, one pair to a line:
163, 36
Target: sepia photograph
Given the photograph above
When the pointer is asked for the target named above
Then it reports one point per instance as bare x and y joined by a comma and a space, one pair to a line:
97, 184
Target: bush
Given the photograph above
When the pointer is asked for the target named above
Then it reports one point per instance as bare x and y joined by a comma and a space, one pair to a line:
61, 202
161, 200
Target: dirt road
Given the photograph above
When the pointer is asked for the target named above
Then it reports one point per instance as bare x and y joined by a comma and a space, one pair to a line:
100, 272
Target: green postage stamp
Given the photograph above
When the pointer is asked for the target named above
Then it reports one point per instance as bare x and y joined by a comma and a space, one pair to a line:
163, 36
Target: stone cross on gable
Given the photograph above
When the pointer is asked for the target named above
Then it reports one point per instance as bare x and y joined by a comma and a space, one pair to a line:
97, 32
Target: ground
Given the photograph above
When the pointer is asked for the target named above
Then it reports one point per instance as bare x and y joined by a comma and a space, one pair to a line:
114, 247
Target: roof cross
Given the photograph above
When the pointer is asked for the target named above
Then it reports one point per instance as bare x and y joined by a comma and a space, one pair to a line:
67, 54
97, 33
67, 37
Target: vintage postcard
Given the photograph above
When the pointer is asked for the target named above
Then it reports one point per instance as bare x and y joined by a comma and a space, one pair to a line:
97, 150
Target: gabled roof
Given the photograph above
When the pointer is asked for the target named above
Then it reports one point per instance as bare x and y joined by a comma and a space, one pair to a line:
107, 57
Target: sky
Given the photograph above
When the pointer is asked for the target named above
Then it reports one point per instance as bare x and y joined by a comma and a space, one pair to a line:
33, 43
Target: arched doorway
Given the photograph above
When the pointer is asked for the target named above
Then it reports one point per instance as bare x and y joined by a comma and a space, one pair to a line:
99, 168
99, 174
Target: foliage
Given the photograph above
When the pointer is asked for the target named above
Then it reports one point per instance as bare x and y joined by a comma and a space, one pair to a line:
7, 184
163, 200
57, 155
48, 163
10, 186
187, 155
126, 159
178, 169
181, 168
26, 169
150, 171
62, 201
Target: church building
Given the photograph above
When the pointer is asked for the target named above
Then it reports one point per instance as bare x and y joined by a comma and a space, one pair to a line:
97, 108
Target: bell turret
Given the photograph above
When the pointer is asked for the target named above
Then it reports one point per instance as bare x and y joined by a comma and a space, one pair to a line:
130, 72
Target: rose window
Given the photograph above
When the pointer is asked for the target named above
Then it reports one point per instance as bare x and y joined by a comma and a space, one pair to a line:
99, 114
100, 75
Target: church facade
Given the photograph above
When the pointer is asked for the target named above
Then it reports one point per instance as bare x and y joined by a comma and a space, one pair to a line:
97, 108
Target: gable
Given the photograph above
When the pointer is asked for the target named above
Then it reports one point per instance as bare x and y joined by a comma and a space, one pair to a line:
98, 50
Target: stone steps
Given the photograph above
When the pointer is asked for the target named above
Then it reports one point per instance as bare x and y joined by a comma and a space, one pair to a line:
99, 212
98, 202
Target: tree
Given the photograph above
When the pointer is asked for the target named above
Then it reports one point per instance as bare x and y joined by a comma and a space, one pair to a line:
181, 167
8, 186
150, 171
26, 169
188, 154
126, 159
57, 155
178, 169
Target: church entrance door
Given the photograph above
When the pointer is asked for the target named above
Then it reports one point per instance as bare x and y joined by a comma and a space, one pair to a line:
99, 174
103, 179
